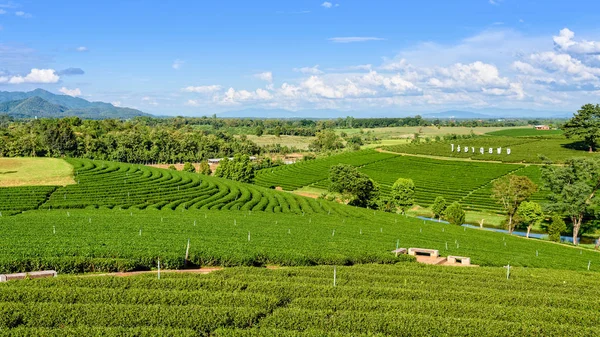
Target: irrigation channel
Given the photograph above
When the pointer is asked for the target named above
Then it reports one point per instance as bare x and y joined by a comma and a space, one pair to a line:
563, 238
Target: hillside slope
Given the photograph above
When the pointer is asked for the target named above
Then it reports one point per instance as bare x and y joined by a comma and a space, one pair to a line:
42, 103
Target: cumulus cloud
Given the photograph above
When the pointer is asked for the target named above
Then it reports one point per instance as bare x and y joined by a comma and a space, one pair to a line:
232, 96
177, 64
473, 76
70, 92
496, 68
116, 103
327, 4
351, 39
202, 89
266, 76
309, 70
70, 72
36, 76
82, 49
566, 64
564, 42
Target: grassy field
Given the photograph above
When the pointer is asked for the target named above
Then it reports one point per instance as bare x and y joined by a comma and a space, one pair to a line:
529, 132
35, 172
425, 131
405, 299
299, 142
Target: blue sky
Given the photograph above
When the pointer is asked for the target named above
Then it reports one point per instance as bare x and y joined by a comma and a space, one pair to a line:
200, 57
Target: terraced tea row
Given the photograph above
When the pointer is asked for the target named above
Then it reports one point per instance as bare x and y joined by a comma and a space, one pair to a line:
72, 241
110, 184
23, 198
523, 149
467, 182
373, 300
291, 177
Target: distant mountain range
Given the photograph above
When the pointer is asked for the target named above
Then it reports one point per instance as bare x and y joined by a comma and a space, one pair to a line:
450, 114
41, 103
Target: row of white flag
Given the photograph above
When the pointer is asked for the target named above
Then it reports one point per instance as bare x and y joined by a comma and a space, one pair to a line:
466, 149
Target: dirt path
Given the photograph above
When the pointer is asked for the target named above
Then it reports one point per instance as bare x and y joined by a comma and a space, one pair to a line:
453, 158
186, 271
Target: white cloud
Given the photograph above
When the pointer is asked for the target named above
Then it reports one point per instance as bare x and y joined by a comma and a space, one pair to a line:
526, 68
232, 96
116, 103
564, 42
473, 76
495, 2
266, 76
351, 39
327, 4
202, 89
192, 102
177, 64
81, 49
309, 70
566, 64
70, 92
498, 68
23, 14
149, 100
36, 76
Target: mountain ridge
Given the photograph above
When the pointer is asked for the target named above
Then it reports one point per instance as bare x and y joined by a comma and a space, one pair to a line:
42, 103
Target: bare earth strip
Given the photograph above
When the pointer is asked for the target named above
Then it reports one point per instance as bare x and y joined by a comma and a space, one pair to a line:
35, 172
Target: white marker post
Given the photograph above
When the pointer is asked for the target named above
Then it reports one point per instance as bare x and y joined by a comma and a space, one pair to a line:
187, 252
248, 236
507, 271
589, 264
452, 145
159, 269
334, 275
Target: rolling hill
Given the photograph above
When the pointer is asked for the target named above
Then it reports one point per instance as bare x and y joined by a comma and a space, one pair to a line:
42, 103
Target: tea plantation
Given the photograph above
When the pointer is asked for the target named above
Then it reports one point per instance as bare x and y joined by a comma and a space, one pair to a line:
368, 300
465, 181
523, 149
73, 241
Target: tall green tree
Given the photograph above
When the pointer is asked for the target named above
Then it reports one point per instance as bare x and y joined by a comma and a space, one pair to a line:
204, 168
326, 140
573, 188
403, 193
557, 226
531, 213
240, 168
438, 207
585, 125
455, 214
188, 167
357, 188
511, 191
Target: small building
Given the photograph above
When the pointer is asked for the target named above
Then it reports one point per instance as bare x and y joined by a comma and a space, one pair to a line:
542, 127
